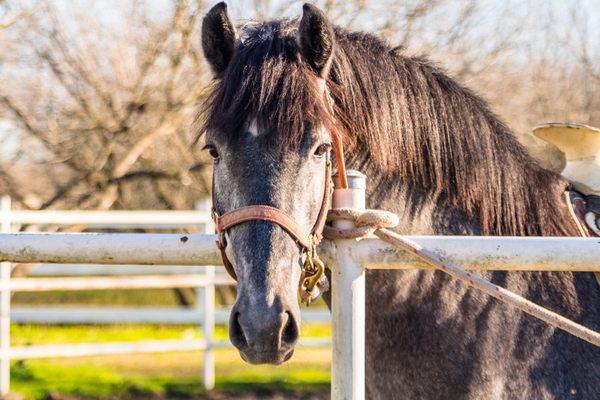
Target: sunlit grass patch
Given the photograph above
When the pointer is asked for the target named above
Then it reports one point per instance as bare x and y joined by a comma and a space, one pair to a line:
26, 334
168, 375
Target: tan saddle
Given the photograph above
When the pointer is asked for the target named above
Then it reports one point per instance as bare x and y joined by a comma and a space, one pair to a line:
581, 146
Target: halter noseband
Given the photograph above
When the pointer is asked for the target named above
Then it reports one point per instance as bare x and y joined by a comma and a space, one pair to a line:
313, 268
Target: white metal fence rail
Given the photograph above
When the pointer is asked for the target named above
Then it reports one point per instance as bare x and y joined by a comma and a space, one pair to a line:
203, 279
5, 271
204, 284
347, 258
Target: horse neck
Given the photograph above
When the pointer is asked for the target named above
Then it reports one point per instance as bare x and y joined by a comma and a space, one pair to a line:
420, 212
507, 194
424, 212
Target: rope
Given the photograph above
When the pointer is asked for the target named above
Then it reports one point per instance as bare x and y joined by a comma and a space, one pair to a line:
378, 222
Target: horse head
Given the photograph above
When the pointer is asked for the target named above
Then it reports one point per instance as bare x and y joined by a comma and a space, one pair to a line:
268, 130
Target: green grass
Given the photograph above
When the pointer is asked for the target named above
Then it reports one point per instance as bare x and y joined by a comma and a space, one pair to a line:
52, 334
150, 376
169, 375
26, 334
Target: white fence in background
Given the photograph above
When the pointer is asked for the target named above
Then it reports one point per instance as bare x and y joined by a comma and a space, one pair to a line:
48, 277
348, 260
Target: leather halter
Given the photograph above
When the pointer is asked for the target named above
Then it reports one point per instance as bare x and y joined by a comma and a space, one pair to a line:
308, 241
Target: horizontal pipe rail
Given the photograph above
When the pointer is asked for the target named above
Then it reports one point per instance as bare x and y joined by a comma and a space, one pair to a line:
109, 248
469, 252
121, 282
47, 270
146, 315
95, 349
487, 253
147, 346
111, 219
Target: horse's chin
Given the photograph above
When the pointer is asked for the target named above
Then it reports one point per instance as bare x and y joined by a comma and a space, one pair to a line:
273, 358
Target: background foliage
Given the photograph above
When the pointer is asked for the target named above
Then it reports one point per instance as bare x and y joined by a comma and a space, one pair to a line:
97, 98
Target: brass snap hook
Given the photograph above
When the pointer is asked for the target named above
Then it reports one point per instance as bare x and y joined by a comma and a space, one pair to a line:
312, 271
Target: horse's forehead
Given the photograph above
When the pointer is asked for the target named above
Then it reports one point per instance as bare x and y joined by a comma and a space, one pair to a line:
269, 140
254, 139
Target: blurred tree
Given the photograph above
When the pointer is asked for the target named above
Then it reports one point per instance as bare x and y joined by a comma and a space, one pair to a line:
104, 100
100, 96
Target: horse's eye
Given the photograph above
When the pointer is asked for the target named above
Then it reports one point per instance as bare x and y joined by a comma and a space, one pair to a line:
212, 150
322, 149
213, 153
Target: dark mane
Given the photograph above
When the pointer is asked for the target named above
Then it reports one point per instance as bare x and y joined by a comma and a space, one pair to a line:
411, 118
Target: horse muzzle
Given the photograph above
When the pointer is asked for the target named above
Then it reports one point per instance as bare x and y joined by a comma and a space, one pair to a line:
264, 334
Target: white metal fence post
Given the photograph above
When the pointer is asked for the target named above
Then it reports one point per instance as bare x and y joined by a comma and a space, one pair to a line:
5, 270
348, 302
207, 294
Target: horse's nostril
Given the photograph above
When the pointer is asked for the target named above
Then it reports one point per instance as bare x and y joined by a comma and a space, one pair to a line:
236, 333
290, 332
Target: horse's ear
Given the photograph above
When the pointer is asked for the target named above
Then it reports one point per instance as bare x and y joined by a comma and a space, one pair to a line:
316, 39
218, 38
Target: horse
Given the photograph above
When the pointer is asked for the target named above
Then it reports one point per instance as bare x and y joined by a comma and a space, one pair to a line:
435, 154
